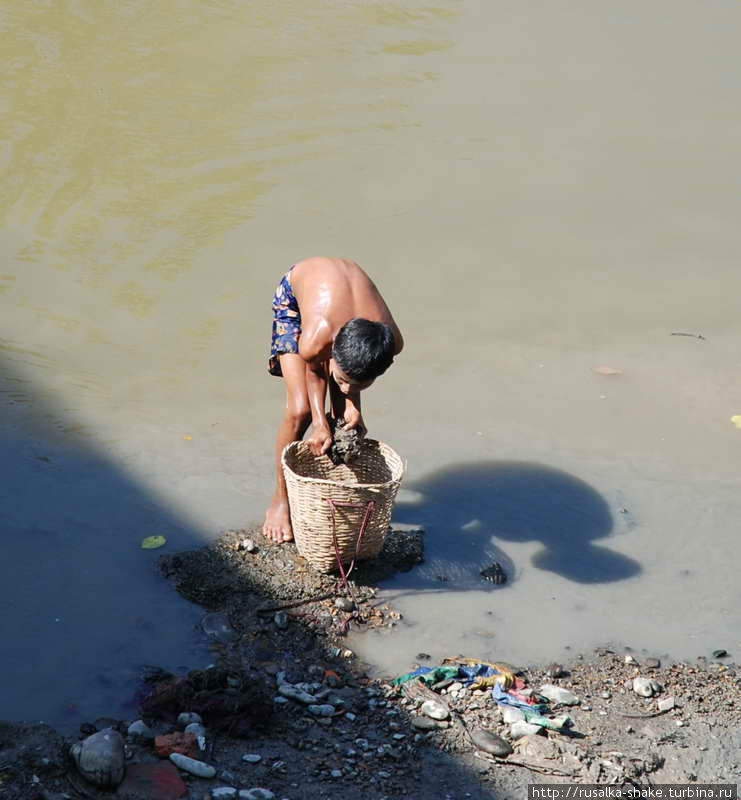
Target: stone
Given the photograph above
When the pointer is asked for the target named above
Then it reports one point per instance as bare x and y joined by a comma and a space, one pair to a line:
155, 781
256, 794
325, 710
336, 773
184, 743
667, 704
344, 604
652, 663
538, 749
490, 743
223, 793
281, 620
424, 723
191, 765
140, 730
252, 758
188, 718
217, 626
100, 758
629, 659
511, 714
520, 729
645, 687
554, 671
196, 729
558, 694
350, 716
435, 710
294, 693
248, 545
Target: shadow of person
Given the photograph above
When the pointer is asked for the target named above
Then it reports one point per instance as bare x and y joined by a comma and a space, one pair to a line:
468, 508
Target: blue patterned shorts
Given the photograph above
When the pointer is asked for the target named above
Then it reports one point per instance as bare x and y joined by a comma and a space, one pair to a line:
286, 324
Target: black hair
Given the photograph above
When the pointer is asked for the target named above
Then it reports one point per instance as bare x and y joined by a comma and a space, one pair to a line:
363, 349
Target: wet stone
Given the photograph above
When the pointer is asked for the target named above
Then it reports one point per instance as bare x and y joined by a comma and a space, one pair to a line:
490, 743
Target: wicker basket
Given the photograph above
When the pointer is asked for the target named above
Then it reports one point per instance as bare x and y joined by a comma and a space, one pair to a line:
329, 503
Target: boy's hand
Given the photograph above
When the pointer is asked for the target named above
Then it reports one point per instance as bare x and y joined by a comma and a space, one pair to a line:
320, 440
354, 421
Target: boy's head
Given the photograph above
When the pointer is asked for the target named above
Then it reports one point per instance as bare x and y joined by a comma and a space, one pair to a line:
362, 350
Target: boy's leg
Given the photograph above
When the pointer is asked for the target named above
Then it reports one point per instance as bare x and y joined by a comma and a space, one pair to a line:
296, 419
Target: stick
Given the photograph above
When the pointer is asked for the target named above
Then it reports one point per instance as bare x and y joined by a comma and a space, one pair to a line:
692, 335
526, 764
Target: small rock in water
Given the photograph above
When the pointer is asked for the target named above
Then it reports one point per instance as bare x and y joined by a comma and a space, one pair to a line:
281, 620
720, 653
558, 694
252, 758
248, 545
192, 766
434, 710
217, 626
423, 656
345, 443
490, 743
101, 758
645, 687
223, 793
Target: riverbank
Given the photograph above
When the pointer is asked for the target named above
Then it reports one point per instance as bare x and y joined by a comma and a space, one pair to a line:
286, 693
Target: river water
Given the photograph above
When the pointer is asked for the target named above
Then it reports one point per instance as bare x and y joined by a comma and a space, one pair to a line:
537, 189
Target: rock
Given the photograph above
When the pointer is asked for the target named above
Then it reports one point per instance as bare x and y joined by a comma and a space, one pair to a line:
652, 663
188, 718
184, 743
645, 687
248, 545
490, 743
223, 793
192, 766
434, 710
667, 704
217, 626
325, 710
336, 773
256, 794
252, 758
100, 758
294, 693
720, 653
520, 729
196, 729
557, 694
155, 781
344, 604
629, 659
140, 730
605, 695
350, 716
554, 671
424, 723
510, 715
455, 687
537, 748
346, 444
281, 620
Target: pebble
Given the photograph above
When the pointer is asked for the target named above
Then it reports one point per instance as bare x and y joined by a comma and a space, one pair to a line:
667, 704
350, 716
344, 604
281, 620
223, 792
645, 687
256, 794
197, 730
435, 710
490, 743
424, 723
630, 660
520, 729
140, 730
192, 766
555, 671
248, 545
336, 773
294, 693
252, 758
652, 663
606, 695
188, 718
557, 694
217, 625
322, 711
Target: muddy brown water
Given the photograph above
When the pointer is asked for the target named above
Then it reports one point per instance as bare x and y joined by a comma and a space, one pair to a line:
537, 190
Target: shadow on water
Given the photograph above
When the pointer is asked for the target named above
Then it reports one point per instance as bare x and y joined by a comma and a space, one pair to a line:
470, 509
84, 608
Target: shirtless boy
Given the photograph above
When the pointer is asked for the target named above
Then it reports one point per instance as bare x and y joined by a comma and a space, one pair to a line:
331, 328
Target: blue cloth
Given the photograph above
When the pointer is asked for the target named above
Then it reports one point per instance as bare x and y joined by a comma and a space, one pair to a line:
286, 324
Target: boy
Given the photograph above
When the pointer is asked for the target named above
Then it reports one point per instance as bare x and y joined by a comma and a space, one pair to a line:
331, 327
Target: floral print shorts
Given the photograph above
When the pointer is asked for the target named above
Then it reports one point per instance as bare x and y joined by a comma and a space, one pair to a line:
286, 324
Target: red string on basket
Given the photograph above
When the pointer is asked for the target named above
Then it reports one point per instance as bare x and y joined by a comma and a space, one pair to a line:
369, 508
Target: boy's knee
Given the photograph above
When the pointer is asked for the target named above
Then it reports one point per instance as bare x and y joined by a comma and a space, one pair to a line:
299, 415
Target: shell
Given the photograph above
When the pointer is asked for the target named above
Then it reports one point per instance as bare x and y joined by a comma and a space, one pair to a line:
100, 758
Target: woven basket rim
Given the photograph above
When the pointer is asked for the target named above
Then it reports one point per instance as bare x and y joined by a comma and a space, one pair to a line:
344, 484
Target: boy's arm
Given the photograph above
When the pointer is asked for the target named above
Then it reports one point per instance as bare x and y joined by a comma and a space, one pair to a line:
316, 387
353, 414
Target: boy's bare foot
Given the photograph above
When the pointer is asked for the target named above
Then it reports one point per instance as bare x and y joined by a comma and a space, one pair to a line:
277, 525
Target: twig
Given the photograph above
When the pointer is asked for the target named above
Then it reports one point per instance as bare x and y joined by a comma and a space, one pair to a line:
297, 603
691, 335
643, 716
534, 767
